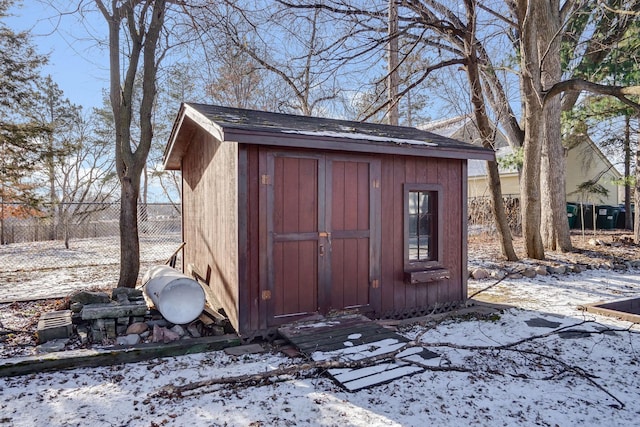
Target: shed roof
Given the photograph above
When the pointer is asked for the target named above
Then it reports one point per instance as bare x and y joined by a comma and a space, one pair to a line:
286, 130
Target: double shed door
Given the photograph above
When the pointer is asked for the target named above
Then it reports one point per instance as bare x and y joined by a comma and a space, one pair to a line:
322, 226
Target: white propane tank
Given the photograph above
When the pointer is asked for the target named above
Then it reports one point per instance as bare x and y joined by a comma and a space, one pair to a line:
177, 297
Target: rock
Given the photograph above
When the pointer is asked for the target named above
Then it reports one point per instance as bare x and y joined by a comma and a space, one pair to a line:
110, 328
515, 276
165, 335
529, 273
596, 242
170, 335
88, 297
193, 330
498, 274
157, 322
628, 265
541, 270
217, 330
605, 266
137, 328
130, 293
51, 346
636, 263
145, 334
178, 330
121, 299
76, 307
556, 269
84, 336
480, 273
158, 333
129, 339
573, 268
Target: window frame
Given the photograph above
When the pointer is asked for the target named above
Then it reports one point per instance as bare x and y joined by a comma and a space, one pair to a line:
437, 190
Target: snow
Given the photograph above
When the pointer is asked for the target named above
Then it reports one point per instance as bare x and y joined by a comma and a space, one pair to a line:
362, 136
569, 375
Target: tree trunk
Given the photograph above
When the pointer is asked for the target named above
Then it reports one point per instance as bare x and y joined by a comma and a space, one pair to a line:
130, 161
555, 226
484, 128
636, 226
129, 243
628, 219
530, 20
392, 78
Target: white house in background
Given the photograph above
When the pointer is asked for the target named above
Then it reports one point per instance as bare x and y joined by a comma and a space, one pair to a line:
585, 162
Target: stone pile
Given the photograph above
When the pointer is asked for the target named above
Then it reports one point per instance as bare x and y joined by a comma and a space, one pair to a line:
121, 318
520, 270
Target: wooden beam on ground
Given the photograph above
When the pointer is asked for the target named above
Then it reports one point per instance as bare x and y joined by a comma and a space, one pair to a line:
112, 356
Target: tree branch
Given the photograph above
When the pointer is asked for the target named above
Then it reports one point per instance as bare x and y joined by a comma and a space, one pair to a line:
580, 85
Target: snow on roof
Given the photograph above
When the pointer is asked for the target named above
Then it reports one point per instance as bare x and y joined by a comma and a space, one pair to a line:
362, 136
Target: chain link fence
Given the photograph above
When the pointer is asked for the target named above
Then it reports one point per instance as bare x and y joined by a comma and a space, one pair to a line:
51, 252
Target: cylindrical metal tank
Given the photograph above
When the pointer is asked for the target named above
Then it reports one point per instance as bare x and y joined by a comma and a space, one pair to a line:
177, 297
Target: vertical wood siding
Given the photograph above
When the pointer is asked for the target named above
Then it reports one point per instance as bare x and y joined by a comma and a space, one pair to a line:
210, 209
396, 171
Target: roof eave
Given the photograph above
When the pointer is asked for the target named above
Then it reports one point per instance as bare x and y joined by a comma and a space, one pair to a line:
176, 147
293, 140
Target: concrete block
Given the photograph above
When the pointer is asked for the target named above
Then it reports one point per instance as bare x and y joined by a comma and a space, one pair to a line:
54, 325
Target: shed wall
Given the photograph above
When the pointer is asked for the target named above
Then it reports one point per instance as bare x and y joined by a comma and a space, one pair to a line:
396, 295
210, 217
393, 297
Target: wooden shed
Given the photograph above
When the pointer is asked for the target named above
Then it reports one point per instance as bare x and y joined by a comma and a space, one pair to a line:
293, 216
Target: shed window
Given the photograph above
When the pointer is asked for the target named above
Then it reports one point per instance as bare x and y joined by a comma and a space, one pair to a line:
423, 222
421, 225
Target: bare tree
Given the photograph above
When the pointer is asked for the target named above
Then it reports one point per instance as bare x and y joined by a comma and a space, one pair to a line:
290, 44
142, 21
86, 177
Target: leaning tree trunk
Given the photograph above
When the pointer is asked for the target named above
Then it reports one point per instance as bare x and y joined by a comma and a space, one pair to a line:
484, 128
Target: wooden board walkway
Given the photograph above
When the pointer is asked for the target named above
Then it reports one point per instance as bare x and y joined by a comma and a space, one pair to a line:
353, 338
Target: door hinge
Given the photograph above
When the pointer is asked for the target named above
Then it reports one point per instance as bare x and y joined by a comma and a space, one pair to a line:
375, 284
375, 183
266, 295
266, 179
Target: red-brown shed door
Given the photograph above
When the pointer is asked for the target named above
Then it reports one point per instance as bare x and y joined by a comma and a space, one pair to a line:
321, 226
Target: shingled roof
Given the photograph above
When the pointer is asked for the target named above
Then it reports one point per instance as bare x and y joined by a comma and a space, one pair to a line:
259, 127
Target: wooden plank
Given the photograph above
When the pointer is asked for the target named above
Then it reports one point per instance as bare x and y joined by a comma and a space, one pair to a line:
335, 342
112, 356
387, 228
426, 276
354, 338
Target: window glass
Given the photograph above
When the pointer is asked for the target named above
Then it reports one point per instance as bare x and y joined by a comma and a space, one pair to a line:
421, 225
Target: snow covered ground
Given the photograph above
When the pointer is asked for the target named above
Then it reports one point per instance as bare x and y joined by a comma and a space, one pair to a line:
46, 269
544, 363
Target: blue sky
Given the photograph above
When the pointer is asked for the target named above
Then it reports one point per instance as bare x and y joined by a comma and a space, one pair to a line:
76, 62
